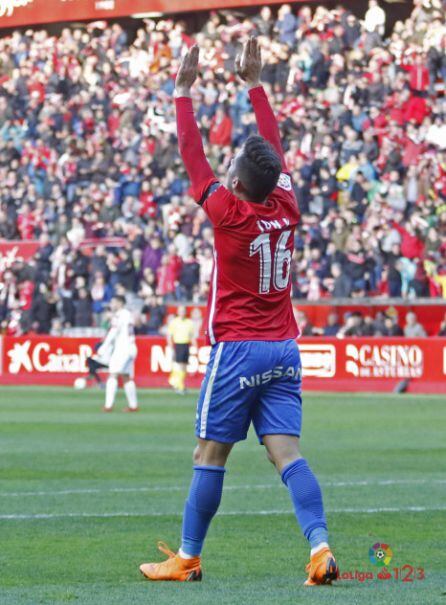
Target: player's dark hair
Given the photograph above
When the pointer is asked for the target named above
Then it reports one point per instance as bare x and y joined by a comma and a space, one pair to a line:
120, 298
258, 168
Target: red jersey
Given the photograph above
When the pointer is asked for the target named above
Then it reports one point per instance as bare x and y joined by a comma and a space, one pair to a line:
250, 290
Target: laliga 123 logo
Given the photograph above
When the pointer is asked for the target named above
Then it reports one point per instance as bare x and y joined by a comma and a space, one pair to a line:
380, 554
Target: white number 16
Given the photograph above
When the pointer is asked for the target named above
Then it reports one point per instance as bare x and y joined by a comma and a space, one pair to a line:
282, 261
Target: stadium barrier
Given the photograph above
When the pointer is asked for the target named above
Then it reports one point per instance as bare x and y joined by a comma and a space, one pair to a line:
430, 312
356, 364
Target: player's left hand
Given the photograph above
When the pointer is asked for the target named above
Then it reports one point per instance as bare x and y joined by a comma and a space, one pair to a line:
188, 72
248, 65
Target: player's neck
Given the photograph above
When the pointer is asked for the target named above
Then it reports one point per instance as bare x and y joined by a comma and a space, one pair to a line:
246, 199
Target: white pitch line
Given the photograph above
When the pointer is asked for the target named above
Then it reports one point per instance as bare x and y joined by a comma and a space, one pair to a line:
67, 492
234, 513
176, 488
126, 490
383, 482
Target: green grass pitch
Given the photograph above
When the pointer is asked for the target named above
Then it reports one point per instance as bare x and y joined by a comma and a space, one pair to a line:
84, 496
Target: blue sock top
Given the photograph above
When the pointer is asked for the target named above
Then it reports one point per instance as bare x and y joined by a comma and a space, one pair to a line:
202, 467
290, 469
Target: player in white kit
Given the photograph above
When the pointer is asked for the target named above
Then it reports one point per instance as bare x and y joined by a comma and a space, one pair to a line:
118, 352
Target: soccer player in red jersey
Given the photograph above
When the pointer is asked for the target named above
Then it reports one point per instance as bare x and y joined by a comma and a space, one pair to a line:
254, 372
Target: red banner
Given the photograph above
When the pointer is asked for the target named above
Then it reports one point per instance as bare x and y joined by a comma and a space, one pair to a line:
12, 250
362, 364
29, 12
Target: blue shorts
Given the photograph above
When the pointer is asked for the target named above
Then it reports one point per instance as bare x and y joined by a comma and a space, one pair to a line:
258, 381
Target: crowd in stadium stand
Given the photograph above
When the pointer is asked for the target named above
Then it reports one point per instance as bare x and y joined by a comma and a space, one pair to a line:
89, 165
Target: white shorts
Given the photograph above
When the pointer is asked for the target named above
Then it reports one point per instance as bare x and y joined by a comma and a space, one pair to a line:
120, 364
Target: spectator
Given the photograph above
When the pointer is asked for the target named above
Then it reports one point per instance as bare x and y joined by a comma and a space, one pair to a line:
391, 282
419, 75
82, 310
413, 329
125, 271
342, 283
375, 18
353, 325
155, 312
442, 330
419, 285
286, 25
152, 255
391, 327
56, 327
167, 277
264, 23
305, 327
220, 132
42, 310
101, 294
332, 326
412, 245
368, 326
188, 278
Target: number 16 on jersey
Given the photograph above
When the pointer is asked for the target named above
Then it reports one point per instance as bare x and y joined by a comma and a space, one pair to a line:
275, 266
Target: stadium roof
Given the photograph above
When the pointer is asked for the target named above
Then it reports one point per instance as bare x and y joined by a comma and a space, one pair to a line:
15, 13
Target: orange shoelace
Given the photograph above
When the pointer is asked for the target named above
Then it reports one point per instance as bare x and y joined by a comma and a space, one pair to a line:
162, 546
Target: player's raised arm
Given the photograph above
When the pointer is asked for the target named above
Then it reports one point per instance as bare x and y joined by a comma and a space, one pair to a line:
248, 67
189, 137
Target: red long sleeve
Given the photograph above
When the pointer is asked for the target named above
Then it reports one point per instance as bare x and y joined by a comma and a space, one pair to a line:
266, 120
191, 149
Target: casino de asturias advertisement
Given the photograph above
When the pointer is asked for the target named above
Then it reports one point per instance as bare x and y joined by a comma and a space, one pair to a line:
14, 13
359, 364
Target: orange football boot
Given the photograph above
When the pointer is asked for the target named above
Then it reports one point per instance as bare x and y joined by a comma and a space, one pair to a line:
175, 568
322, 568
